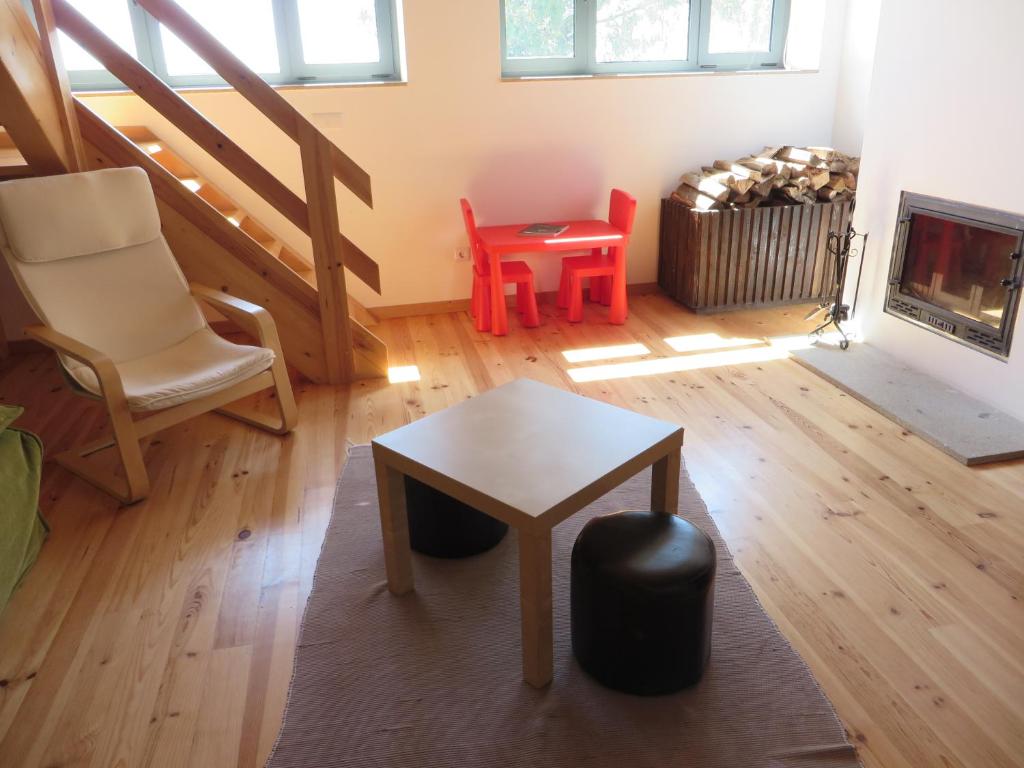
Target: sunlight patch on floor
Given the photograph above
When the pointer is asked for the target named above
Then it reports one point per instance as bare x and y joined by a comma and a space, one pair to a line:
399, 374
587, 354
677, 364
700, 342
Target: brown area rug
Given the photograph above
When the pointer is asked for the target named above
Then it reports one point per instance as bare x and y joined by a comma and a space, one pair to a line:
434, 678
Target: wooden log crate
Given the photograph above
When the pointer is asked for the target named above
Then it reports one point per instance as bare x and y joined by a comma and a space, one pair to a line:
748, 257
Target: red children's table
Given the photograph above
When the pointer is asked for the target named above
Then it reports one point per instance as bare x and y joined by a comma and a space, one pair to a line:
580, 236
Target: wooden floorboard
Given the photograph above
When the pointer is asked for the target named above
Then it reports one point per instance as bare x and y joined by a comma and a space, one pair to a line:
162, 634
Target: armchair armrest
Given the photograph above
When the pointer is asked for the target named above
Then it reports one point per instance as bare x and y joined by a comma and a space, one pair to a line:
251, 317
106, 373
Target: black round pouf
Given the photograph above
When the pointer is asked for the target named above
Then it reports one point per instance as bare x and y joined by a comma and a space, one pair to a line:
642, 601
441, 526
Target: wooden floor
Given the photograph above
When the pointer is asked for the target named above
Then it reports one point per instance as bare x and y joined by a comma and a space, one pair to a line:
162, 634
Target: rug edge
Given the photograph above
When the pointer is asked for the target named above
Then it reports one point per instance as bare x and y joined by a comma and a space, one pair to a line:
352, 448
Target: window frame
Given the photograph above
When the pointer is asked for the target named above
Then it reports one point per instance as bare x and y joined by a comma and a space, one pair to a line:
585, 63
293, 68
748, 60
101, 79
542, 66
386, 69
645, 67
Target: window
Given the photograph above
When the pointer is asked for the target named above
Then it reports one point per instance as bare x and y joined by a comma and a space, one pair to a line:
580, 37
285, 41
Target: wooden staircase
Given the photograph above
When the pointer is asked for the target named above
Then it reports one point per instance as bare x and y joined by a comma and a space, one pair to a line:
12, 164
160, 151
246, 222
323, 330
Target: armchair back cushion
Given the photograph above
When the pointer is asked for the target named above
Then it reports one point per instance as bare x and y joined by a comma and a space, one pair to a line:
87, 251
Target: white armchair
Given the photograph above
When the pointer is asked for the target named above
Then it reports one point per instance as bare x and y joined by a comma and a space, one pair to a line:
88, 253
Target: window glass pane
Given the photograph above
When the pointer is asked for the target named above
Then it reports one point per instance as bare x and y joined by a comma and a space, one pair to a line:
740, 26
338, 31
642, 30
540, 29
805, 33
112, 18
246, 27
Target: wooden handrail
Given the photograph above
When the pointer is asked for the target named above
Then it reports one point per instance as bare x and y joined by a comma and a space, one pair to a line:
183, 115
191, 122
58, 76
259, 93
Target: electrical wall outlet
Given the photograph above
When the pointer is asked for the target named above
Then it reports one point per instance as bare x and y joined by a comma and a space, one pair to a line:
463, 254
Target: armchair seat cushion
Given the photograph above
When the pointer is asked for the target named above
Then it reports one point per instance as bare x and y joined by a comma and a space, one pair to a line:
202, 364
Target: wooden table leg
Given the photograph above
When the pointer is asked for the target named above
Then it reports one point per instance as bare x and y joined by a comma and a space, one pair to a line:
394, 527
665, 484
535, 605
499, 312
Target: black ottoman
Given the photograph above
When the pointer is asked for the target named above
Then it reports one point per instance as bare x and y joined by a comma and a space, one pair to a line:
441, 526
642, 600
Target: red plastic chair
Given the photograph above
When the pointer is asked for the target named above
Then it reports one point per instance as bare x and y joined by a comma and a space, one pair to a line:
517, 272
600, 268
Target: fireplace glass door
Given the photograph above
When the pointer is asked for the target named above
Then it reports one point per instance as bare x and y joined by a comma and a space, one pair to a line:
956, 270
958, 267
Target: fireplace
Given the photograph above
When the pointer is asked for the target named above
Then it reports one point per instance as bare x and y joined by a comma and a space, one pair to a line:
957, 271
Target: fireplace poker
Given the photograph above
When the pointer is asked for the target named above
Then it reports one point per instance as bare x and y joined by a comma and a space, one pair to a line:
836, 312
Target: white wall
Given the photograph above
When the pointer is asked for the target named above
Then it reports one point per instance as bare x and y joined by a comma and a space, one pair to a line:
520, 151
858, 61
945, 118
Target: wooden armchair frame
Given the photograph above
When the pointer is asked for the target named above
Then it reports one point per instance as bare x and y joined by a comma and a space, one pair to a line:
128, 430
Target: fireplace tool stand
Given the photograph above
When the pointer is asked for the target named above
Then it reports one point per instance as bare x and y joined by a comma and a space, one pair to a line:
837, 313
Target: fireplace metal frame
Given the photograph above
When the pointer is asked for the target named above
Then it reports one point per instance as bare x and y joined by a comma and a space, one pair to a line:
994, 342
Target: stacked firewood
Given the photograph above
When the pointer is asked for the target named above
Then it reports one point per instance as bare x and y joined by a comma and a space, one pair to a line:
774, 176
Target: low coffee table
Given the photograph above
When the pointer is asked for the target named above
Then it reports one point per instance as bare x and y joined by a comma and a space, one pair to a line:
530, 455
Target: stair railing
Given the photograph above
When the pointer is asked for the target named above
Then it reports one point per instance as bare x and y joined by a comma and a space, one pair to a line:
322, 161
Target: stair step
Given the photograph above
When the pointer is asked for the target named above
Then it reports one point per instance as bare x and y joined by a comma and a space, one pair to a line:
139, 134
12, 164
160, 152
257, 231
359, 313
216, 198
293, 260
236, 217
192, 183
14, 168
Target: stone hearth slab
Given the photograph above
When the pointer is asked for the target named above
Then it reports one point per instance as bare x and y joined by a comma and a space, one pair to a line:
967, 429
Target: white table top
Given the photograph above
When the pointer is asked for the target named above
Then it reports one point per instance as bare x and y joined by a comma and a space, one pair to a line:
528, 453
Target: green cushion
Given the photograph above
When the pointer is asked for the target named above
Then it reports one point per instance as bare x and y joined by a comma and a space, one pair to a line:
8, 413
22, 528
